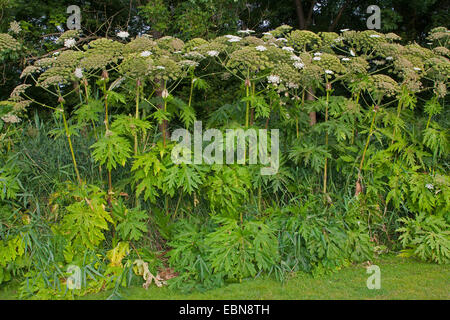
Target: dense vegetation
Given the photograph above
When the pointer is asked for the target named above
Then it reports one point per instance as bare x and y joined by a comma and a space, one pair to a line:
87, 178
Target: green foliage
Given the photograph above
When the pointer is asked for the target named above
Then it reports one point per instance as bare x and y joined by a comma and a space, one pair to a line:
131, 223
86, 220
242, 249
426, 237
227, 188
363, 142
9, 183
111, 149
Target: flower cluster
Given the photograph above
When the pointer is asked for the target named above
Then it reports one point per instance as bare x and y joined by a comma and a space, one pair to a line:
140, 44
100, 53
303, 39
383, 85
170, 43
11, 118
14, 27
19, 90
365, 40
439, 33
328, 62
247, 59
8, 43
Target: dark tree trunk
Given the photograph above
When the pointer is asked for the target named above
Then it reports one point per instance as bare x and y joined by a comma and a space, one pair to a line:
300, 14
338, 16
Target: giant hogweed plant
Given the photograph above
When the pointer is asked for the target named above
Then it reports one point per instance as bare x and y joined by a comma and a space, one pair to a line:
349, 107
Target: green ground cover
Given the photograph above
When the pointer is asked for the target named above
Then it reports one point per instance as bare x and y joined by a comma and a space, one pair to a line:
401, 278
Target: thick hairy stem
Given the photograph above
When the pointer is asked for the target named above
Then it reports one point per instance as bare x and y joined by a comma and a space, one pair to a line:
367, 144
399, 110
191, 92
138, 87
107, 129
429, 120
86, 92
259, 198
353, 129
164, 125
247, 94
66, 127
252, 110
312, 115
296, 117
247, 110
328, 88
158, 92
106, 106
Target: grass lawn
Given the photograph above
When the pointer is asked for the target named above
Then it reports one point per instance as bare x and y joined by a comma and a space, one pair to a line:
401, 278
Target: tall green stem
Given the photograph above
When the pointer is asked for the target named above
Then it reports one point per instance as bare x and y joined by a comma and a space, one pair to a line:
367, 141
247, 110
66, 127
107, 129
164, 121
328, 88
399, 110
138, 87
357, 103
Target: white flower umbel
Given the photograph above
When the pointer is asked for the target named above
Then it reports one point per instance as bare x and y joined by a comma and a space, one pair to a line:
145, 53
78, 73
417, 69
261, 48
247, 31
232, 38
317, 54
69, 43
14, 27
160, 67
10, 118
292, 85
429, 186
282, 39
295, 58
329, 72
389, 58
189, 63
123, 34
345, 59
194, 55
375, 36
213, 53
288, 49
273, 79
298, 65
317, 58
